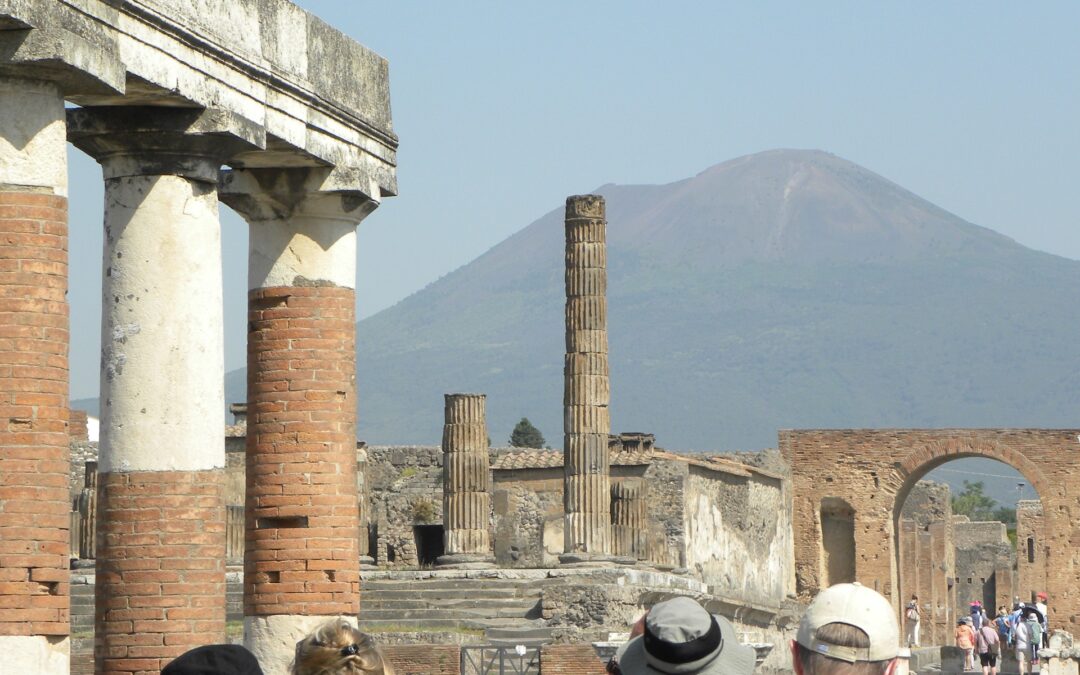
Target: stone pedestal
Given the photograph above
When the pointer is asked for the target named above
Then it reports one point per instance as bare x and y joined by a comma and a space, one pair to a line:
161, 509
586, 422
466, 484
302, 544
34, 500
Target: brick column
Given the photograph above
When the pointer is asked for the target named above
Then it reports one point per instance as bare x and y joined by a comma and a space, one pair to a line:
301, 558
34, 495
161, 514
466, 484
586, 422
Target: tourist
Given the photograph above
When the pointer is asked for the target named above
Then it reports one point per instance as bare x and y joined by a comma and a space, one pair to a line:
339, 648
1004, 628
214, 660
912, 615
680, 636
978, 616
1040, 604
848, 629
1021, 647
965, 639
987, 643
1034, 636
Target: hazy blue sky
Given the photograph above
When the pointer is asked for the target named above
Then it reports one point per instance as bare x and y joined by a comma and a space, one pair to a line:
504, 108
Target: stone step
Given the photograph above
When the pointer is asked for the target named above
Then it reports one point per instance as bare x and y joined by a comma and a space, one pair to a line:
517, 635
434, 625
379, 602
444, 593
462, 613
462, 584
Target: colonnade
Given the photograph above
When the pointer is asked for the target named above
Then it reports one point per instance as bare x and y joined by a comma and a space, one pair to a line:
160, 559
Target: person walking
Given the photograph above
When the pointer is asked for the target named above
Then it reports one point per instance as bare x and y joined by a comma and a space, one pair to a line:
986, 642
912, 617
1022, 647
965, 639
848, 629
1040, 604
1034, 636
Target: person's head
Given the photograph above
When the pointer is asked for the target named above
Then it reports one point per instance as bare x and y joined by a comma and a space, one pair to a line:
1040, 596
847, 630
914, 597
214, 660
967, 620
1031, 616
339, 648
680, 636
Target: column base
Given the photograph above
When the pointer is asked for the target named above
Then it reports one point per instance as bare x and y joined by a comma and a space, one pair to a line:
272, 639
36, 654
580, 559
368, 563
465, 561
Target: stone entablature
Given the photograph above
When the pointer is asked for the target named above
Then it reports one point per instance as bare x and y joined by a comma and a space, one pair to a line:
308, 94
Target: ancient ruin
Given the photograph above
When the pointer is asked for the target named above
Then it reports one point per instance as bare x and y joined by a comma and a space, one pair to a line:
168, 92
586, 419
175, 526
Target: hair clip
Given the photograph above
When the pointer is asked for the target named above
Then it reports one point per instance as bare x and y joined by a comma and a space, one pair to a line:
350, 650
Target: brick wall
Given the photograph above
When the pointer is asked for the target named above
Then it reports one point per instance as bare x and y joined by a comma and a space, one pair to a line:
303, 523
424, 659
34, 507
570, 660
873, 470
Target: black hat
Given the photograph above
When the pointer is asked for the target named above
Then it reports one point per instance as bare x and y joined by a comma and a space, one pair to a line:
214, 660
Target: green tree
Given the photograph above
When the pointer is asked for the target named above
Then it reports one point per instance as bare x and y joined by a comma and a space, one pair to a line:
973, 503
525, 435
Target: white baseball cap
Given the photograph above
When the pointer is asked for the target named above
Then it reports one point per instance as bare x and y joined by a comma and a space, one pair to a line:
854, 605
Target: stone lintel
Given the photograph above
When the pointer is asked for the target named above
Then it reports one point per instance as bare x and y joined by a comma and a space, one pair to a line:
150, 141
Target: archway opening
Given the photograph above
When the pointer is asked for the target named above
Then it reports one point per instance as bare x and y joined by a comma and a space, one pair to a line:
837, 541
958, 523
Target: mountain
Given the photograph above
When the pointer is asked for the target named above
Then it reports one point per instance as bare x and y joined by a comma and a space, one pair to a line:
784, 289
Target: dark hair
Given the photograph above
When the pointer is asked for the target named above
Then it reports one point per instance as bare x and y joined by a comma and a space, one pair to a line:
842, 635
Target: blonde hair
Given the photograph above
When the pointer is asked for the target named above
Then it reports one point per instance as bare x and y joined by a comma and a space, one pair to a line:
843, 635
338, 648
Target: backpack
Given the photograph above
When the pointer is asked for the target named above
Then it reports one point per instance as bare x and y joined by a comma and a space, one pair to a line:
912, 614
1036, 632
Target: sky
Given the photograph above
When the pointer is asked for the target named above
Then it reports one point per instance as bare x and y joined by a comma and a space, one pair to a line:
505, 108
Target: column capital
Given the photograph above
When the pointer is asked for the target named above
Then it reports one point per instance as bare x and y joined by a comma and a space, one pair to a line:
159, 141
298, 195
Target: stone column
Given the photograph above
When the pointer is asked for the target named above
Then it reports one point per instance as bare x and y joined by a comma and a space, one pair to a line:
301, 558
586, 422
34, 495
466, 484
160, 567
629, 519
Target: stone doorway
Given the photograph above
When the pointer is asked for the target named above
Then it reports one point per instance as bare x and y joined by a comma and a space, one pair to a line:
429, 544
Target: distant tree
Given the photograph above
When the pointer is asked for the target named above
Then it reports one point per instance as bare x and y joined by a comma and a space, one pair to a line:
1007, 515
525, 435
973, 503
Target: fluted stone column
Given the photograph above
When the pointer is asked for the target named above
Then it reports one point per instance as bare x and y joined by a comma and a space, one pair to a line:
586, 422
302, 542
466, 484
34, 500
160, 564
629, 519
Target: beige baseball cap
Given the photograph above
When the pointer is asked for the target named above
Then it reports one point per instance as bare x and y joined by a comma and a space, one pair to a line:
858, 606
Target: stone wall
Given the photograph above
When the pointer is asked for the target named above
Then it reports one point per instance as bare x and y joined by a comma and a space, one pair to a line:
405, 484
738, 534
1031, 554
983, 551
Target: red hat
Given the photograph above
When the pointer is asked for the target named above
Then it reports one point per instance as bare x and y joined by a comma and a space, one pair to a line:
1040, 594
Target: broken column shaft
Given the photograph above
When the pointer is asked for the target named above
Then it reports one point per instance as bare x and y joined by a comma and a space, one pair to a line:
466, 483
586, 422
629, 519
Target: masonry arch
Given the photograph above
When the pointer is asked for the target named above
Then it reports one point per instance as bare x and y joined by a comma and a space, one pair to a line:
874, 471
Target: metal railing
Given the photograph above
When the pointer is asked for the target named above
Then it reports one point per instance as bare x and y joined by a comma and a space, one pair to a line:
493, 660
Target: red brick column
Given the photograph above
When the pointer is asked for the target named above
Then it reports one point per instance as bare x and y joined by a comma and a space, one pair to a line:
160, 587
301, 551
34, 504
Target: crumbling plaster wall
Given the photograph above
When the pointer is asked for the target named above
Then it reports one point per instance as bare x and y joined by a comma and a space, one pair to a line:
406, 489
738, 535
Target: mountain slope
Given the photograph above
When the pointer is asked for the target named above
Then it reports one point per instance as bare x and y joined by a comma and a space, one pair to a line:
784, 289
